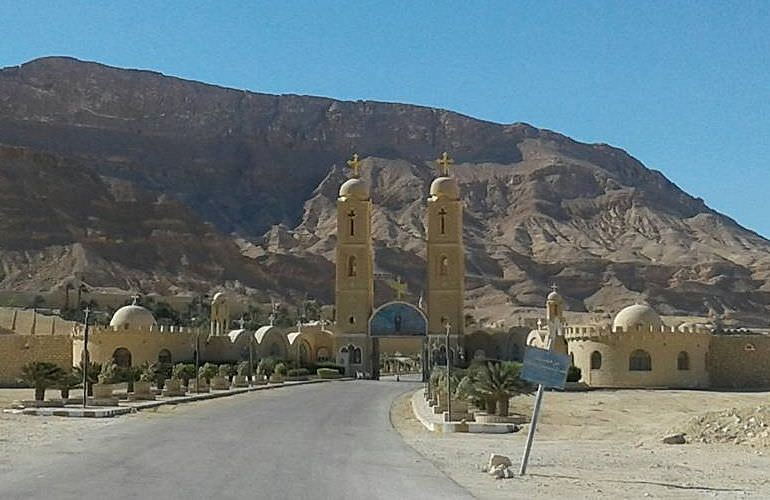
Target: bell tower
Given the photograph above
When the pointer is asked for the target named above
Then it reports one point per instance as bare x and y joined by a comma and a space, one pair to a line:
354, 286
446, 257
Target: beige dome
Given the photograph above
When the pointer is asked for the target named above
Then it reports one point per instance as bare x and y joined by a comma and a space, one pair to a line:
555, 296
355, 189
132, 316
637, 316
219, 297
445, 187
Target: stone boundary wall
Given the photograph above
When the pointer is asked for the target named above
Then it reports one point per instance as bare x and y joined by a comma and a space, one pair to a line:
740, 361
18, 350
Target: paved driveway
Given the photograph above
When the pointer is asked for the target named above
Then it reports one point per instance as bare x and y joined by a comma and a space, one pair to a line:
309, 442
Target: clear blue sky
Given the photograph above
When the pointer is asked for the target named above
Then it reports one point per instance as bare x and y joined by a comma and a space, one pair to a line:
683, 86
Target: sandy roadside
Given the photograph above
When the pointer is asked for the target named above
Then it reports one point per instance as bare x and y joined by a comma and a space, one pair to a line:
603, 444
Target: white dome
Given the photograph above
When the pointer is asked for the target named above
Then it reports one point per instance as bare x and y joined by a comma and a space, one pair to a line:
637, 316
132, 316
355, 189
445, 187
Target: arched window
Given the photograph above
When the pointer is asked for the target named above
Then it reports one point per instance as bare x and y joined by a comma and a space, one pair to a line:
596, 360
443, 266
682, 361
322, 354
304, 352
164, 356
352, 266
640, 361
356, 356
122, 357
442, 220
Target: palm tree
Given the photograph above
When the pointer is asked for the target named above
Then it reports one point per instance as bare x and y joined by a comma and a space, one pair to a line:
499, 382
41, 375
94, 369
67, 381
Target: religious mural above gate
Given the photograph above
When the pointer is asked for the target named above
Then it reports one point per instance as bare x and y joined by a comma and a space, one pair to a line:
397, 319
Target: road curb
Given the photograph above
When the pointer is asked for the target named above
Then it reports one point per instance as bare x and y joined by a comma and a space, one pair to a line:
109, 412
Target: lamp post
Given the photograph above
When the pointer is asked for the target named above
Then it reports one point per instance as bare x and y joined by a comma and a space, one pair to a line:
448, 374
86, 360
197, 360
251, 359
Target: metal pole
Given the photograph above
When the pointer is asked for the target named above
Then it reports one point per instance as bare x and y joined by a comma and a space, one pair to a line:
251, 360
448, 377
86, 360
197, 360
536, 413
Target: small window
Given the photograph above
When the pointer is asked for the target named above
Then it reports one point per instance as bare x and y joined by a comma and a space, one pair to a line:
683, 361
640, 361
357, 356
352, 266
749, 347
443, 266
352, 320
442, 220
352, 216
596, 360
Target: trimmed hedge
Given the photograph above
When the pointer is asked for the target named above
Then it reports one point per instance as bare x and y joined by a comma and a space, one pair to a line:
298, 372
327, 373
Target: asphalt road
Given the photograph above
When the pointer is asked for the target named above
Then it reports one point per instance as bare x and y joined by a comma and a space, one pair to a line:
320, 441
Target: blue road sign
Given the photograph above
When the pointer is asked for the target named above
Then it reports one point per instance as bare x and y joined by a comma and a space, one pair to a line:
545, 367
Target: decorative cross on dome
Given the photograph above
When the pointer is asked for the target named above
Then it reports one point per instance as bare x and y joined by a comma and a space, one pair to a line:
554, 287
355, 164
444, 163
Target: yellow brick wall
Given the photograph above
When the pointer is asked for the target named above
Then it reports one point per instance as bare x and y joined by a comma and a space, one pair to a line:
733, 366
18, 350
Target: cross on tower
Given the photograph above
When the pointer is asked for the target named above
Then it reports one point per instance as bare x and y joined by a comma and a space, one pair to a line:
355, 164
444, 163
555, 287
242, 322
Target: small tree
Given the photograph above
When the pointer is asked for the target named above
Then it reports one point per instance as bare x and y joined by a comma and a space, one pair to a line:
499, 382
68, 380
227, 370
184, 372
280, 369
208, 371
94, 369
266, 367
41, 375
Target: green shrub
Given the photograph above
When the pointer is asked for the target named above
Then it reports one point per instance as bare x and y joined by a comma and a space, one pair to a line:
327, 373
41, 375
280, 370
298, 372
208, 371
329, 364
184, 372
574, 374
226, 370
266, 367
243, 369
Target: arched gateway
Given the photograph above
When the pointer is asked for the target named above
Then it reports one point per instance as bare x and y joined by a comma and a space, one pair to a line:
395, 319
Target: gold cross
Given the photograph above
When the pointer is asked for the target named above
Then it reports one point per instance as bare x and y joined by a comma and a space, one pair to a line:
400, 288
355, 164
444, 163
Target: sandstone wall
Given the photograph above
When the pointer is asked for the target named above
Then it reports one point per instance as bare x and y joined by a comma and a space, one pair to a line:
740, 361
663, 347
18, 350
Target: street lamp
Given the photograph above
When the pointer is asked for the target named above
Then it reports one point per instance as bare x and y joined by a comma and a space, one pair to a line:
85, 357
448, 374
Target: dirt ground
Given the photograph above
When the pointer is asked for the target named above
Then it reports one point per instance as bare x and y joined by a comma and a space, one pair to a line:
603, 444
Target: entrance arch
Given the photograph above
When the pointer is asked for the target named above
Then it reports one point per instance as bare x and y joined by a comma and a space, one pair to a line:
396, 319
122, 357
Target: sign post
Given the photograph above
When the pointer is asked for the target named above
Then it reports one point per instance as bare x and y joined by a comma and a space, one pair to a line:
546, 368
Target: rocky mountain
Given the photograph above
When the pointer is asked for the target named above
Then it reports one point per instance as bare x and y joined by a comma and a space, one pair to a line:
135, 179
